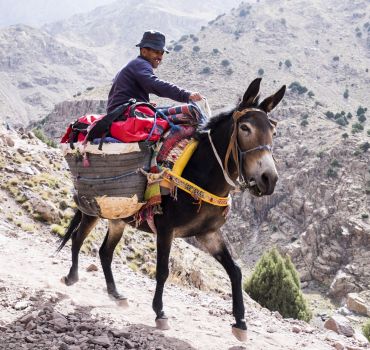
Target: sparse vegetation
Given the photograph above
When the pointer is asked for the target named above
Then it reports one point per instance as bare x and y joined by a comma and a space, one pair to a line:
335, 164
275, 285
304, 122
177, 47
41, 136
216, 51
287, 63
365, 216
365, 146
310, 94
205, 70
297, 88
366, 330
225, 63
261, 72
332, 172
196, 48
346, 93
357, 127
345, 136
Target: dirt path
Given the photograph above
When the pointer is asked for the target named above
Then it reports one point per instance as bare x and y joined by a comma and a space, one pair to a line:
38, 312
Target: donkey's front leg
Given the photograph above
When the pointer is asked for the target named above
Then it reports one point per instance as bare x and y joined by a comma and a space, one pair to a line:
216, 246
164, 242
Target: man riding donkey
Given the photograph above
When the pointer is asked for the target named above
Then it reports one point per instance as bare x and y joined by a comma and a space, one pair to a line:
137, 79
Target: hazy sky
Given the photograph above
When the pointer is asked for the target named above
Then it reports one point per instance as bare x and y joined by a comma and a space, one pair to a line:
39, 12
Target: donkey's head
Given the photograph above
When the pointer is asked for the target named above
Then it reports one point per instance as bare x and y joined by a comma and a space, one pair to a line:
253, 133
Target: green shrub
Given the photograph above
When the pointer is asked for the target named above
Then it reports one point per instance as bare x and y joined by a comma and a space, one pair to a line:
310, 94
261, 72
298, 88
331, 173
205, 70
225, 63
361, 118
288, 64
346, 94
357, 127
342, 121
177, 47
41, 136
275, 285
365, 146
366, 330
196, 48
345, 135
304, 122
361, 111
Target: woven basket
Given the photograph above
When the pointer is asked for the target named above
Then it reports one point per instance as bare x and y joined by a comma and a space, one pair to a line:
112, 172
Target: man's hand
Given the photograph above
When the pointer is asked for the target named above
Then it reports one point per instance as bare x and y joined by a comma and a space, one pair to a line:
195, 96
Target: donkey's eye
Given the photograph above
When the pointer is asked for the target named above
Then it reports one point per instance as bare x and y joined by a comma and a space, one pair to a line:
245, 128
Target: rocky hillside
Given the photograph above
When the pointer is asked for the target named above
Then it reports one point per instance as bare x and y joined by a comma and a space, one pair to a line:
38, 311
112, 31
36, 71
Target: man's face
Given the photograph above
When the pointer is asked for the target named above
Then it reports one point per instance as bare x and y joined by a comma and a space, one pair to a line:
153, 56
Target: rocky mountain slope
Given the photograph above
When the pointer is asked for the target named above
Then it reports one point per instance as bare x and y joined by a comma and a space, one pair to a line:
36, 71
37, 311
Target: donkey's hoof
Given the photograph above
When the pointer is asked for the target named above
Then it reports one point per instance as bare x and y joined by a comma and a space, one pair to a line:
162, 324
119, 299
240, 334
68, 281
122, 303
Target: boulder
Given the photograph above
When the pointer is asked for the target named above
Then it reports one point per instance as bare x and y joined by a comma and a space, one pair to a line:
340, 325
356, 304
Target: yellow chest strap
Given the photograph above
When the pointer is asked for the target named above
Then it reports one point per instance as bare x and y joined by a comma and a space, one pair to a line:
173, 178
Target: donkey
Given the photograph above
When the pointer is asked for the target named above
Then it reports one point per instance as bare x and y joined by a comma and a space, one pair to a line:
242, 138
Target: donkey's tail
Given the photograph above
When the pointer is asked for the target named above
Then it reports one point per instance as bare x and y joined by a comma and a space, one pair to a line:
72, 228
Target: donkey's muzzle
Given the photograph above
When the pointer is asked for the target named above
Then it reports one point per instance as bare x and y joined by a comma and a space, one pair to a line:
266, 183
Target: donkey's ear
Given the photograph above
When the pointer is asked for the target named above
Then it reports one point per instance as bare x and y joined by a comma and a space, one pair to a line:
271, 102
251, 94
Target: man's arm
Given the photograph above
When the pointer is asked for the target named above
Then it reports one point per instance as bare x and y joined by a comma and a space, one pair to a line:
153, 85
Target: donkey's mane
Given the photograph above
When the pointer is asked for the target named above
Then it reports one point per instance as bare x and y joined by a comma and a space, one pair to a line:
220, 118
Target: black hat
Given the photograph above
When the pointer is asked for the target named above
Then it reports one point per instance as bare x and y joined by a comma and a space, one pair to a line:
154, 40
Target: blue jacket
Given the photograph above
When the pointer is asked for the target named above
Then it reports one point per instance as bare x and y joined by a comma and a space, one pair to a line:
137, 80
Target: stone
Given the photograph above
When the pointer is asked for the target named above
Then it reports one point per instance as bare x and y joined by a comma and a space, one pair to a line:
102, 340
340, 325
338, 345
356, 304
92, 267
296, 329
21, 305
45, 210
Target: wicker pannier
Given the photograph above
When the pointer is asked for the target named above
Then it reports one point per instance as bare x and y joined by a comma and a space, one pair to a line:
109, 182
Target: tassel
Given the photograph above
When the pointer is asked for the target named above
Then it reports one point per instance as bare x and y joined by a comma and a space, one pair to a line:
85, 161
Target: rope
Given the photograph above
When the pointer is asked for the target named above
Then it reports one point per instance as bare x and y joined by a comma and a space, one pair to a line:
91, 179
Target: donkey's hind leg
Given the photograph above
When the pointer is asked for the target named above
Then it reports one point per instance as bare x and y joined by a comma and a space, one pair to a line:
87, 224
215, 244
113, 236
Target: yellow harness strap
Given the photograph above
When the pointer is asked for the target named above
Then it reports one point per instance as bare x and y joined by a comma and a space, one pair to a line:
173, 178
